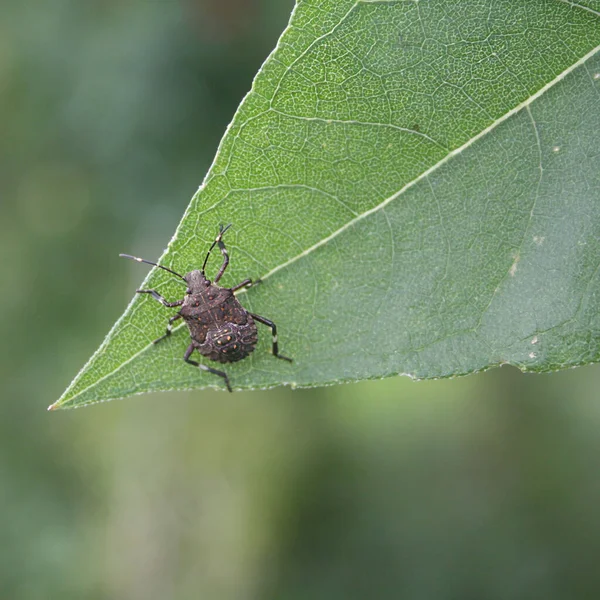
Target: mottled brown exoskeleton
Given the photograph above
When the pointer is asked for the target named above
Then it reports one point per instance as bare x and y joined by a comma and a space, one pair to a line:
220, 327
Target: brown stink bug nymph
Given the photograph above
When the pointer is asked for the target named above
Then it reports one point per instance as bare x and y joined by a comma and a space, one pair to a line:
220, 327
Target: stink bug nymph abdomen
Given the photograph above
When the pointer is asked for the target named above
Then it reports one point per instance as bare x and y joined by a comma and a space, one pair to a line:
220, 327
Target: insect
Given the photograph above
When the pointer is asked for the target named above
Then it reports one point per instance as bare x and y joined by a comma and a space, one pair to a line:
220, 327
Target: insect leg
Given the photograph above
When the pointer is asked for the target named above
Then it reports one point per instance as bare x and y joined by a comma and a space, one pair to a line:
245, 284
158, 297
218, 241
223, 250
274, 332
169, 328
186, 357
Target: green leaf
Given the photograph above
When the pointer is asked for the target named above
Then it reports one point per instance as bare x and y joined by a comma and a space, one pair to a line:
417, 184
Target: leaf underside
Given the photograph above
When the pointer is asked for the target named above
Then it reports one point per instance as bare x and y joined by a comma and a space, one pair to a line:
417, 185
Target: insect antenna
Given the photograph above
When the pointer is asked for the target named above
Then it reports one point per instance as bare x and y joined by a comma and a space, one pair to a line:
151, 263
219, 237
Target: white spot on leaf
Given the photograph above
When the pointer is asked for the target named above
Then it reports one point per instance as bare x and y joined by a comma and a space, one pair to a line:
513, 267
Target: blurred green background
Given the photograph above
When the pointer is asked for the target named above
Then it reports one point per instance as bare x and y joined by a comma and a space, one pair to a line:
482, 487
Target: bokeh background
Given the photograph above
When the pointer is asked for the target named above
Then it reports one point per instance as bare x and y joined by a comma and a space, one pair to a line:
485, 487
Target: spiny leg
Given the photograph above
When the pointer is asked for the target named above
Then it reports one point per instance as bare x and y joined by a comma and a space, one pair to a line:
222, 374
273, 327
169, 328
158, 297
219, 241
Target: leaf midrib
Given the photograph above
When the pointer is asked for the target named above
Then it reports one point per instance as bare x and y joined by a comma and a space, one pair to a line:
576, 5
